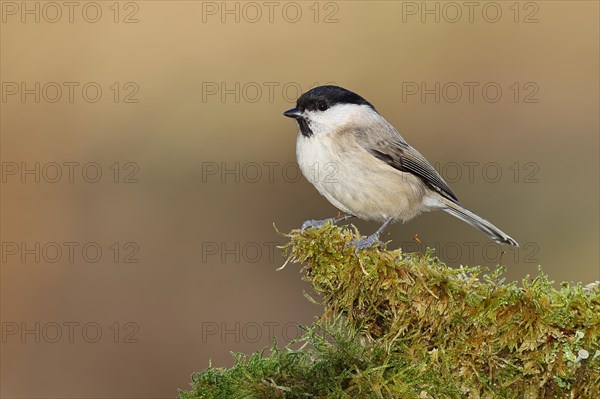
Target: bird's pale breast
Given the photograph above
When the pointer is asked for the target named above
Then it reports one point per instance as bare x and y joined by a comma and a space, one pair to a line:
356, 182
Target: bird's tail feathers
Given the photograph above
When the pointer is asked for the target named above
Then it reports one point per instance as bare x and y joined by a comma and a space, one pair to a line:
488, 228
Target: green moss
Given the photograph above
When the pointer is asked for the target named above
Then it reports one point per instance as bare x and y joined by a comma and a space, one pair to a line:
405, 325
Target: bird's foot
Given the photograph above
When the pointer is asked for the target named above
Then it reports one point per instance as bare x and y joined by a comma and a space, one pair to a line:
315, 224
365, 243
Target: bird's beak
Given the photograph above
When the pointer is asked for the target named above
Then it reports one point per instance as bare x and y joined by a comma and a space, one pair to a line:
293, 113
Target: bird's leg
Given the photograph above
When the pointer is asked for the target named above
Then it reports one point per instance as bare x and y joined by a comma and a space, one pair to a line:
370, 240
320, 223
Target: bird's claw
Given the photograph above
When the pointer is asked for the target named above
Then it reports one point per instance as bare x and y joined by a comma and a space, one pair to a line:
365, 243
315, 224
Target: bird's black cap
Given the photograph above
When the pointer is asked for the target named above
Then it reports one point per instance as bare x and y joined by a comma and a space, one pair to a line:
329, 96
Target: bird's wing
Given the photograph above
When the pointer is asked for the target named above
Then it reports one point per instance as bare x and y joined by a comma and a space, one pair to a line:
389, 147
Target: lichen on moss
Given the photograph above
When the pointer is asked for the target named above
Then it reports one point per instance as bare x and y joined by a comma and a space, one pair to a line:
405, 325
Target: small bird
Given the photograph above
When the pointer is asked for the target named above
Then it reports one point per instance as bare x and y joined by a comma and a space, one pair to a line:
362, 165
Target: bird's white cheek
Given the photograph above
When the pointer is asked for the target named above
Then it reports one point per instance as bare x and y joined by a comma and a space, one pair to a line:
320, 125
337, 118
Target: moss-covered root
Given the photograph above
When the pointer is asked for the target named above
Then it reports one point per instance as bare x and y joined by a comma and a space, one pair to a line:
407, 326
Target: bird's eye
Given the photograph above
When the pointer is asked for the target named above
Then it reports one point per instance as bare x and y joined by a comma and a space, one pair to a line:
322, 105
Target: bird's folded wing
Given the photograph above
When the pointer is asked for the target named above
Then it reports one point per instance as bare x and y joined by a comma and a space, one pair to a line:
394, 151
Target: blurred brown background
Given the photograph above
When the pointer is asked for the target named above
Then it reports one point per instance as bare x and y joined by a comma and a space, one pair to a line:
196, 164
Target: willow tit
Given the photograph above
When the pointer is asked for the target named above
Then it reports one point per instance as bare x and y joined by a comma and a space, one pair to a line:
363, 166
